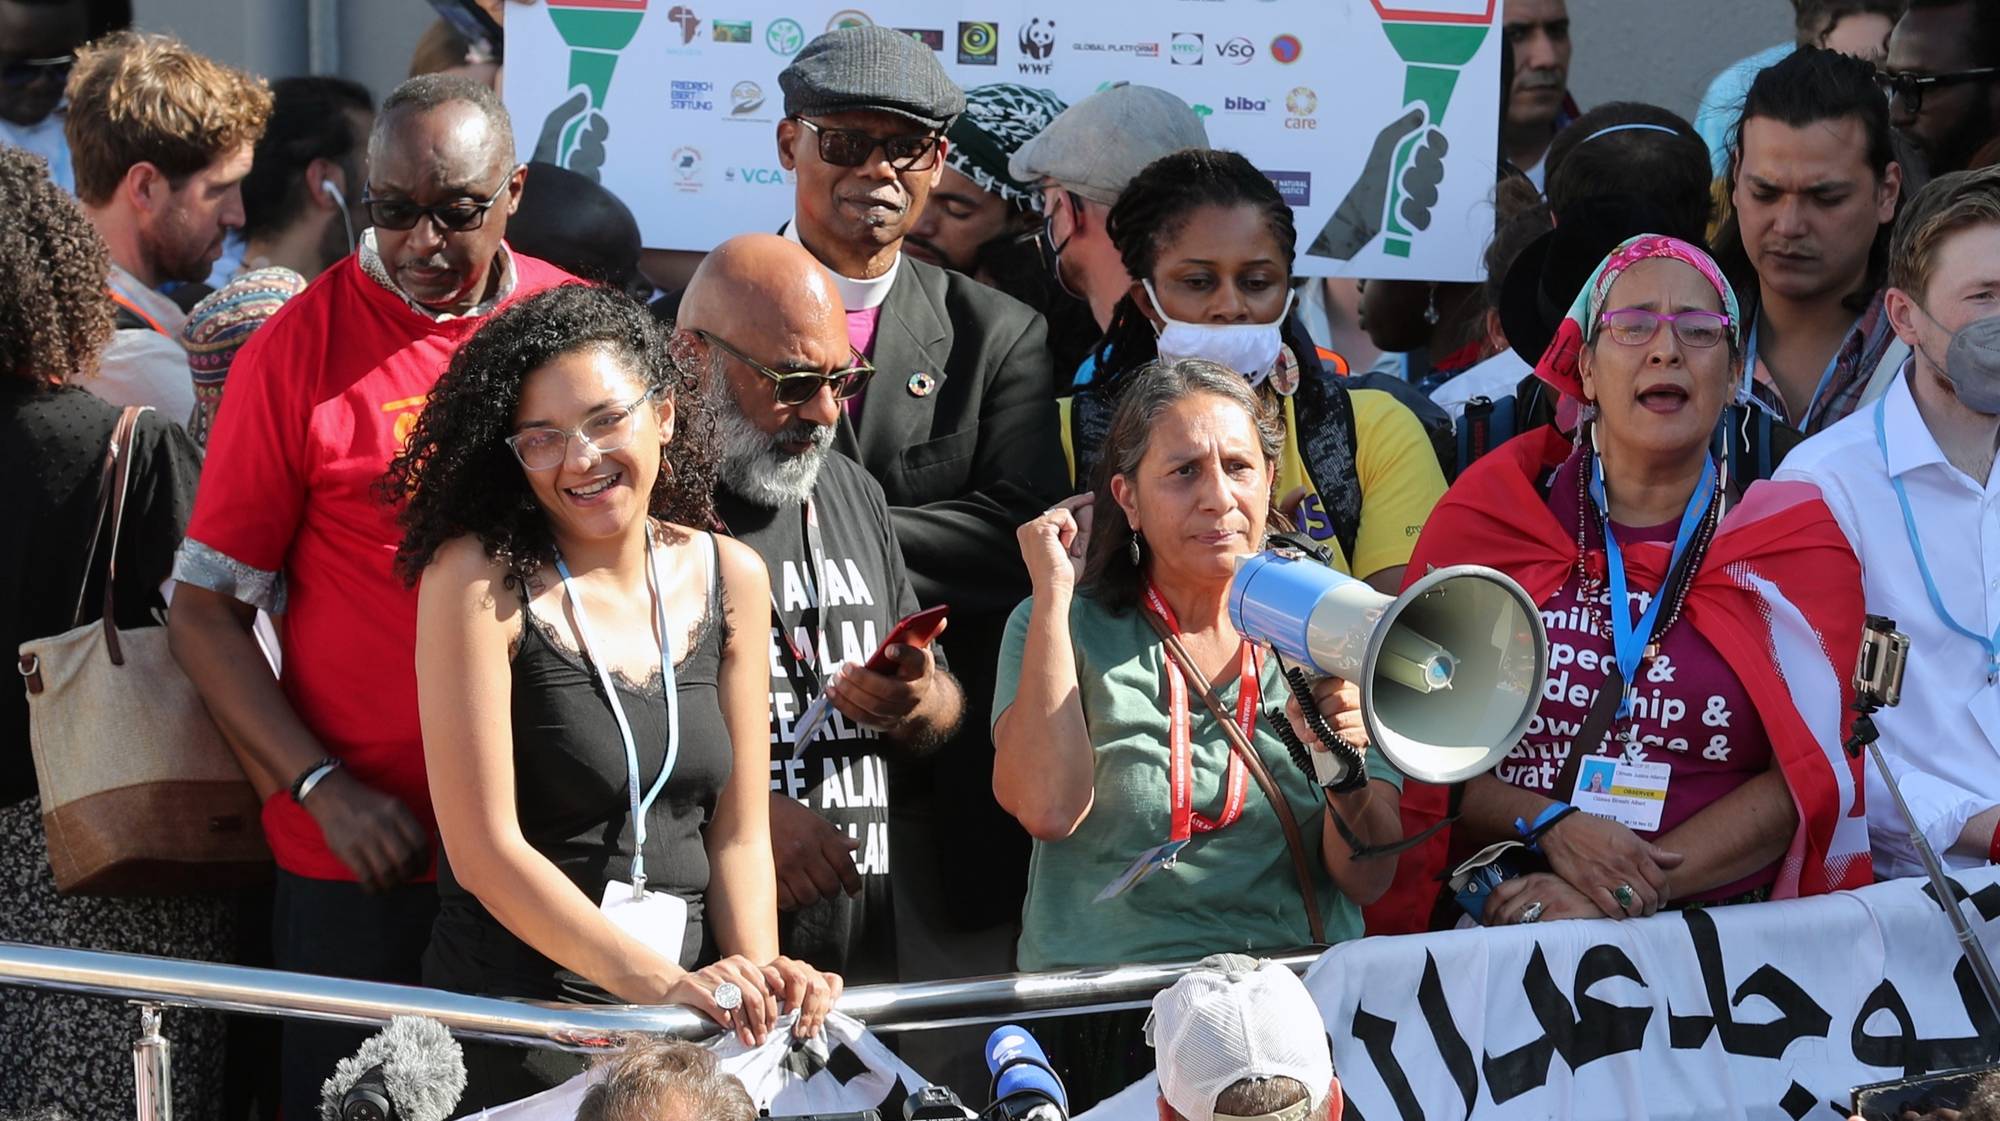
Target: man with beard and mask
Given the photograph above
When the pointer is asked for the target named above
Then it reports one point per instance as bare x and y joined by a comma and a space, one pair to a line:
1943, 78
160, 139
958, 424
1538, 101
1815, 186
1910, 480
764, 323
290, 519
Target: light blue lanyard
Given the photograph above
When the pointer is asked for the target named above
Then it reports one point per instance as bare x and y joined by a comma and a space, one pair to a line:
1991, 645
1628, 639
639, 805
1825, 376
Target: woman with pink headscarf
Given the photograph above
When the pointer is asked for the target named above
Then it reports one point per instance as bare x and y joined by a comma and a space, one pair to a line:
1716, 690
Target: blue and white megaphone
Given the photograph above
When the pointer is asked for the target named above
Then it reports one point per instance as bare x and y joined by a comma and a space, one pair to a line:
1450, 671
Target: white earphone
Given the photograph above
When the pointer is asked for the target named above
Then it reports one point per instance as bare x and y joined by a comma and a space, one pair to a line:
335, 195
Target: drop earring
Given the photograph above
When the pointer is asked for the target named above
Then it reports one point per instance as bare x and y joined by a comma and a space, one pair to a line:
1133, 549
1431, 306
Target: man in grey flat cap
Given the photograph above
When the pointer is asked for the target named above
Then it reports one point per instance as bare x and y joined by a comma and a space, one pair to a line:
1082, 161
958, 425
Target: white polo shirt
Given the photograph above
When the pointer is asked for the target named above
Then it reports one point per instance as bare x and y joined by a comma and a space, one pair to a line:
1943, 741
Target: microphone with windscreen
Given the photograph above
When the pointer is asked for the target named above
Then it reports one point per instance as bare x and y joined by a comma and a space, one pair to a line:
1025, 1086
411, 1070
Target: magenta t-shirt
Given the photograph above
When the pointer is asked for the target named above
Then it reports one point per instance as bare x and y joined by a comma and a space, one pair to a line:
1690, 711
861, 336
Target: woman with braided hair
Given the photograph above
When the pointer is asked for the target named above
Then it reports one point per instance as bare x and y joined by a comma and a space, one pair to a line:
1209, 244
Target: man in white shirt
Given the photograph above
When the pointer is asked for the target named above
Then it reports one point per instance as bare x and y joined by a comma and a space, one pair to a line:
160, 138
1910, 480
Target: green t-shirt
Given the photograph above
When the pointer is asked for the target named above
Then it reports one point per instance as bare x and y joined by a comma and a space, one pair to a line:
1231, 891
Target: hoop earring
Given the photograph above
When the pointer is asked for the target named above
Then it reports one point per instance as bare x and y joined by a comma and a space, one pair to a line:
1133, 549
666, 466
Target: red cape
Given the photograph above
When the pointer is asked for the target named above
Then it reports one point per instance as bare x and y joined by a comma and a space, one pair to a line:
1779, 597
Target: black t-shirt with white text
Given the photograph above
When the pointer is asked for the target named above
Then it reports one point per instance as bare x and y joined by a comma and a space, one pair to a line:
841, 775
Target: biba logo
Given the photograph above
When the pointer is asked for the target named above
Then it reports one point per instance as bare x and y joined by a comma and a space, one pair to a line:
1245, 105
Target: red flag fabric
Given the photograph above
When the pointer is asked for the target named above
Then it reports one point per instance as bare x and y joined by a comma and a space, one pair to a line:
1779, 597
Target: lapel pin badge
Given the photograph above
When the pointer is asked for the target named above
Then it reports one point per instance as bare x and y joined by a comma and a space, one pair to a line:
921, 384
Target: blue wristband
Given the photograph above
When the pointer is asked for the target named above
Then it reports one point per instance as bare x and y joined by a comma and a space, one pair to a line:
1532, 834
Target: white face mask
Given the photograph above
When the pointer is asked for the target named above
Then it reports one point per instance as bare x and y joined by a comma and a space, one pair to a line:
1251, 349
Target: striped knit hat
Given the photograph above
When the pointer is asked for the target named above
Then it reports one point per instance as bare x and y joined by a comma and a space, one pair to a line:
218, 327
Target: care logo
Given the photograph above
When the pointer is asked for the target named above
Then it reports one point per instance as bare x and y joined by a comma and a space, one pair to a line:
1236, 51
730, 31
686, 163
1038, 43
1301, 103
1287, 48
683, 17
978, 43
691, 95
785, 37
1186, 48
848, 18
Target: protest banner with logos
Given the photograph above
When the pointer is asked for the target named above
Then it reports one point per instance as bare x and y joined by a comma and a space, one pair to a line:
1376, 119
1759, 1012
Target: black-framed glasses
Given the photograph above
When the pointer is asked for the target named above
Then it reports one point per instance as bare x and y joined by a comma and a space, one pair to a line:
1908, 89
1636, 326
20, 73
457, 215
796, 387
851, 147
544, 447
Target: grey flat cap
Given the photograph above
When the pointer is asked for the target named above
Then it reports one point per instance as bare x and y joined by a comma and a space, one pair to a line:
1096, 146
871, 68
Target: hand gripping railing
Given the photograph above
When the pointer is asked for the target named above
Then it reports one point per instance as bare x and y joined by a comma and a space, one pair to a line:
157, 983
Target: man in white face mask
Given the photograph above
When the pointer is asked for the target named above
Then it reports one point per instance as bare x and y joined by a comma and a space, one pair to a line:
1910, 480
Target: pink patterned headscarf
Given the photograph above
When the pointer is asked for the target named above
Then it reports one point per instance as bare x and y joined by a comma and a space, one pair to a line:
1558, 366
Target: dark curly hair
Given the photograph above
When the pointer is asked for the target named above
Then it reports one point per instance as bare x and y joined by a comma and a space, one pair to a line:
55, 314
457, 470
1153, 208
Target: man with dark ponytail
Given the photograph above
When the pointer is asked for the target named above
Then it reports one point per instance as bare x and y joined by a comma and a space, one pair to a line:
1208, 243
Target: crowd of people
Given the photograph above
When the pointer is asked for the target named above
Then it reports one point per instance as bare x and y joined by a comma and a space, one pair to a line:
546, 588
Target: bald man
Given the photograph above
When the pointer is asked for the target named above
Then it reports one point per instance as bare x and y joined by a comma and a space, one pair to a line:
763, 319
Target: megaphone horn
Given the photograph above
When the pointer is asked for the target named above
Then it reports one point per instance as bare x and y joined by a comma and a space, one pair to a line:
1450, 671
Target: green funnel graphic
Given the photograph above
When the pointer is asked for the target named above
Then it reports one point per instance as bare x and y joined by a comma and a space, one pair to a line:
1435, 42
595, 30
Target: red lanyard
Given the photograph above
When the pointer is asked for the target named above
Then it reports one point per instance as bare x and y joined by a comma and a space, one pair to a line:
125, 302
1185, 822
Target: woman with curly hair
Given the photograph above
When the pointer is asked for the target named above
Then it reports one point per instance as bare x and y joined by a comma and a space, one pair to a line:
55, 320
592, 686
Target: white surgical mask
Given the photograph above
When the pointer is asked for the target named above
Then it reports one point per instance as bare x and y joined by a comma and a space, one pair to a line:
1251, 349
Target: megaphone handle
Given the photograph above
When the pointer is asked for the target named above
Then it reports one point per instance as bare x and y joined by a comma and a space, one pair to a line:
1353, 770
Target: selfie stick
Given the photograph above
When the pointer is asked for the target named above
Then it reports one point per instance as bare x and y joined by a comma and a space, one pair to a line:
1870, 695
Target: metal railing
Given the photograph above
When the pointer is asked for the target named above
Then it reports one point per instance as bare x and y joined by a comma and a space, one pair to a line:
155, 984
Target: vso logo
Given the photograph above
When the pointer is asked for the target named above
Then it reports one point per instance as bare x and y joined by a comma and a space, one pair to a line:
1236, 51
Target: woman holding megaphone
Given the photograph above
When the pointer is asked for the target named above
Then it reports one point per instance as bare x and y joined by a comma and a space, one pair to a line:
1687, 747
1131, 721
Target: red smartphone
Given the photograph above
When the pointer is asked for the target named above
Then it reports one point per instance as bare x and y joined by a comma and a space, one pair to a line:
915, 630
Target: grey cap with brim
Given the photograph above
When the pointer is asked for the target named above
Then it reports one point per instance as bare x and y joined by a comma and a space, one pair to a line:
871, 68
1096, 146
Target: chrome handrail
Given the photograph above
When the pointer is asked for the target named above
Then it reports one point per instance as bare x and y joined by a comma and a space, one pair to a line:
173, 982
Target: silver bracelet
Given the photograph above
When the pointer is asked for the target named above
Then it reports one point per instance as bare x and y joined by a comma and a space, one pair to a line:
313, 779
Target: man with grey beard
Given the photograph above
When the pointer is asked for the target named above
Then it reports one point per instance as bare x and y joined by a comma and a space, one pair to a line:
763, 322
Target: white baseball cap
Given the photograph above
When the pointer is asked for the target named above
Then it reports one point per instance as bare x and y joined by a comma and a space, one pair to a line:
1234, 1018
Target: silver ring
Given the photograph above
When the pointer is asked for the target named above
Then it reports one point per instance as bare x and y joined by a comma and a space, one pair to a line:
1533, 911
728, 997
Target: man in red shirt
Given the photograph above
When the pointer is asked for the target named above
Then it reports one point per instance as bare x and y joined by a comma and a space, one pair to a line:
288, 519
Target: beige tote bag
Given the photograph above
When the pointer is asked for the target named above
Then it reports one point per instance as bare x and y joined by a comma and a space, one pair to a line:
140, 795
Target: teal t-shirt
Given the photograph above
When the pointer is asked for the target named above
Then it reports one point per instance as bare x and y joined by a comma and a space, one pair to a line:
1232, 890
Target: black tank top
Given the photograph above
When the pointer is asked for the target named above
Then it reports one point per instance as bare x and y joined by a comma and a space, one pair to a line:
570, 794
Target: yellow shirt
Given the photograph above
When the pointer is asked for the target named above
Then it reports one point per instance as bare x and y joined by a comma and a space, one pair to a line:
1398, 472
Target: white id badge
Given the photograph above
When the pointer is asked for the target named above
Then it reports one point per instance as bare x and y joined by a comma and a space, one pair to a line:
1631, 794
1149, 862
657, 918
809, 723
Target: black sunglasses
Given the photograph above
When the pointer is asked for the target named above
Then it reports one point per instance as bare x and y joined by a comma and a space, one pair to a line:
796, 387
851, 147
1908, 89
20, 73
457, 215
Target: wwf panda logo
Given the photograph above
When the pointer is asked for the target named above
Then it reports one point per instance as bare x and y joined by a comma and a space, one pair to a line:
1038, 39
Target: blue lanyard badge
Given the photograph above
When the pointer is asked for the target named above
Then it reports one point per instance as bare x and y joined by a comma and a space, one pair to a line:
639, 805
1990, 645
1750, 375
1628, 639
